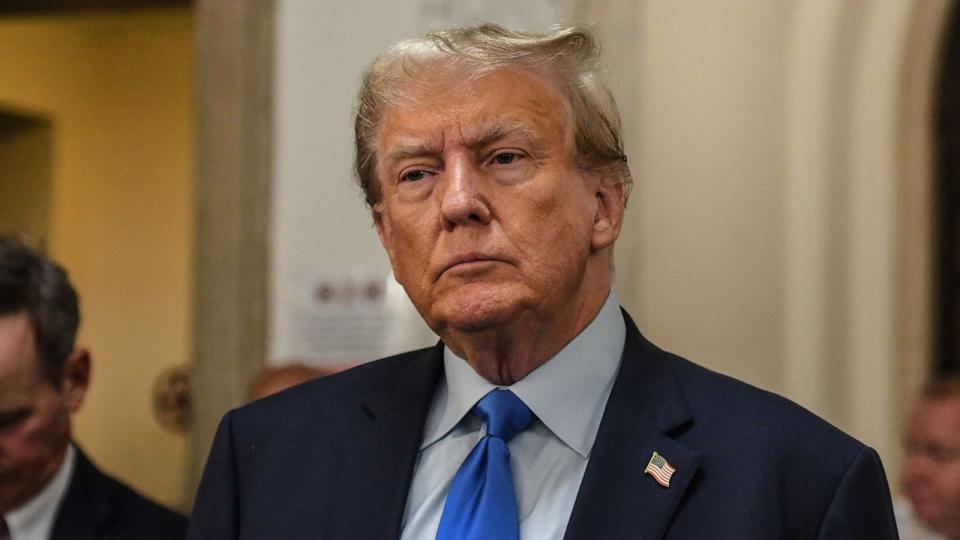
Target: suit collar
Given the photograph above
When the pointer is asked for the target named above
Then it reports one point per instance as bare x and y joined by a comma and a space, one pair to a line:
403, 393
386, 447
646, 407
86, 507
647, 384
567, 393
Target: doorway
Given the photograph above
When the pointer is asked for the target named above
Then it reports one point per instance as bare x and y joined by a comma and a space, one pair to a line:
26, 154
947, 125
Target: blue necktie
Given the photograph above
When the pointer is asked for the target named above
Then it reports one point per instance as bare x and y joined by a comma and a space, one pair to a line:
482, 504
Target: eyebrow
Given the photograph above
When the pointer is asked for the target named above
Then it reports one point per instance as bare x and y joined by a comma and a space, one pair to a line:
479, 137
500, 129
413, 148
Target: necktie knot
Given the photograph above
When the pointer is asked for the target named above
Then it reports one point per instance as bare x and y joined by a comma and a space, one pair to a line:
482, 502
504, 414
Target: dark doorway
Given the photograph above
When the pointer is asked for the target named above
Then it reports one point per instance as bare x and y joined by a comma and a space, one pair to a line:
26, 162
948, 198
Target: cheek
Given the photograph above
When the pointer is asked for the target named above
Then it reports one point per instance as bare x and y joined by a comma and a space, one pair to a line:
22, 444
412, 239
40, 435
411, 242
950, 483
556, 231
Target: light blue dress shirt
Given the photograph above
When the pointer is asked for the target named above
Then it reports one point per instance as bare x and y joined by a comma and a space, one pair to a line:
567, 394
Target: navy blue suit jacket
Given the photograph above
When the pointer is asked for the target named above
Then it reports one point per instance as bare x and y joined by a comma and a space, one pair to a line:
97, 507
334, 458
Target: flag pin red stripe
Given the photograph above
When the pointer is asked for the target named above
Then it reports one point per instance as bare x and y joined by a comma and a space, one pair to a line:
660, 469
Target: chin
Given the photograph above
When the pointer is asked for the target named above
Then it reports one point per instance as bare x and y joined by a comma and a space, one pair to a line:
475, 309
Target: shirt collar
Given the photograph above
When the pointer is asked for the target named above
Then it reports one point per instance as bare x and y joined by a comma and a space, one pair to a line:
568, 393
38, 514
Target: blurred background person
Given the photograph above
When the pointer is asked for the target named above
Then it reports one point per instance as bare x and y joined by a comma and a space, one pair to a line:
931, 473
48, 488
271, 380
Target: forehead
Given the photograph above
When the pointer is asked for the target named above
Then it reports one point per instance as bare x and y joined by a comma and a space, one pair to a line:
19, 368
450, 102
939, 415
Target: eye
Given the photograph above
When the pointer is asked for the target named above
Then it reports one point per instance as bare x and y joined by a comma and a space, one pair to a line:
413, 176
942, 454
11, 419
506, 158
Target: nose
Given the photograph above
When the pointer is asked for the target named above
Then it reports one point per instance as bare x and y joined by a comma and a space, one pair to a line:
463, 201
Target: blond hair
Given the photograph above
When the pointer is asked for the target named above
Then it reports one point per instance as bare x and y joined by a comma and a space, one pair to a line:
568, 56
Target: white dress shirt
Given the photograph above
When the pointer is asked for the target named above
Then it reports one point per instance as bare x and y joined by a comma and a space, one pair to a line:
567, 394
34, 520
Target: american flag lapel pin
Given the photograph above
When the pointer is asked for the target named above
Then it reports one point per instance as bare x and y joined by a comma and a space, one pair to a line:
660, 469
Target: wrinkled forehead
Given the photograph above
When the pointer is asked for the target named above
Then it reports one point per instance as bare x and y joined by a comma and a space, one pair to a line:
480, 104
425, 80
412, 82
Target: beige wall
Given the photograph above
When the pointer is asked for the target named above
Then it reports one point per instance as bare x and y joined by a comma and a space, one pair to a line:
704, 252
780, 228
117, 90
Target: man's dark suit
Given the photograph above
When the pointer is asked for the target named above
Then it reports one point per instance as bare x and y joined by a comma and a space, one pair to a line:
334, 459
98, 507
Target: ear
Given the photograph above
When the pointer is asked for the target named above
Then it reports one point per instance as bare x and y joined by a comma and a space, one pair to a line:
611, 199
75, 378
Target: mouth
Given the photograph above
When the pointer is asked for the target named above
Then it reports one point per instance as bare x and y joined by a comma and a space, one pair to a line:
468, 261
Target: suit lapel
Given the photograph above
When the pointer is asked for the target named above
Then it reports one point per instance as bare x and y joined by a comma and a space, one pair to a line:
388, 445
646, 405
86, 506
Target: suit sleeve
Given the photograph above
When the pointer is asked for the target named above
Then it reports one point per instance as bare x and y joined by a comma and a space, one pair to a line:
216, 508
861, 506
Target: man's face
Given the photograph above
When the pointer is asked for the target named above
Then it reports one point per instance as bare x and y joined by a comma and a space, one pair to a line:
484, 214
931, 474
34, 416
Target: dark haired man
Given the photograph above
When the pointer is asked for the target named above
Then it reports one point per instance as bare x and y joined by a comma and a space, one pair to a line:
48, 487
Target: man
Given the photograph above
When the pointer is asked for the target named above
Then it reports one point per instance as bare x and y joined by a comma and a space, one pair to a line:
493, 164
48, 487
931, 473
271, 380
